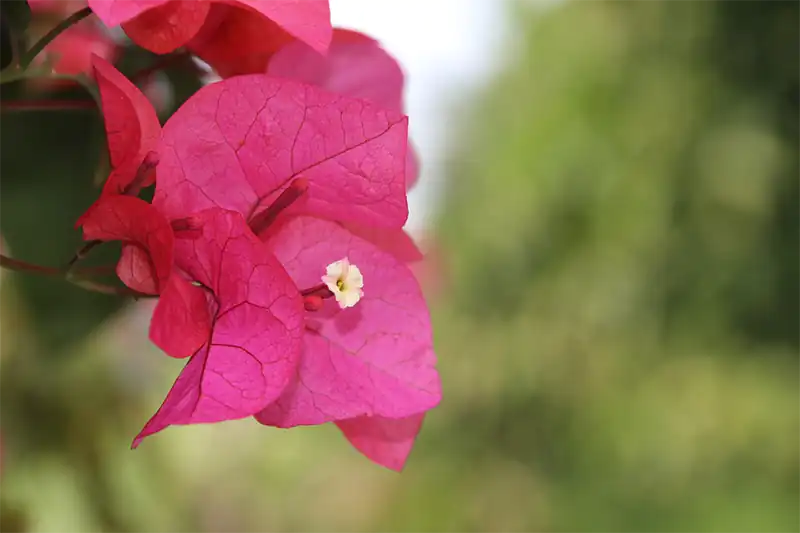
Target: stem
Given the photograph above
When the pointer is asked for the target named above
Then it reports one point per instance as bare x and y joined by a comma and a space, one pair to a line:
82, 252
290, 194
45, 105
90, 285
23, 266
28, 57
102, 288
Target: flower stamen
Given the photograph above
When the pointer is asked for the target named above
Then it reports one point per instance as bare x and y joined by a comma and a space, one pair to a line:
290, 195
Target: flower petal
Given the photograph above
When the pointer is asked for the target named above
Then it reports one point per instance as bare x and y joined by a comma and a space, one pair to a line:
137, 223
356, 66
307, 20
255, 333
132, 127
241, 37
167, 27
237, 41
239, 143
387, 441
392, 240
115, 12
181, 321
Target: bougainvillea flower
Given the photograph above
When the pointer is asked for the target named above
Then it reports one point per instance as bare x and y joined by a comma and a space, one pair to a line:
181, 323
132, 132
139, 224
132, 129
234, 42
228, 34
375, 358
240, 143
357, 66
256, 324
387, 441
345, 281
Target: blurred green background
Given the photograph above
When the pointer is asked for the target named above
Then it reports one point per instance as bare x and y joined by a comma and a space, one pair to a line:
615, 300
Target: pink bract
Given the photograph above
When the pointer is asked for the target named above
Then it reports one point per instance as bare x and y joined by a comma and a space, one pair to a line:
140, 226
115, 12
387, 441
162, 29
234, 42
256, 325
162, 26
375, 358
395, 241
132, 126
181, 321
239, 143
356, 66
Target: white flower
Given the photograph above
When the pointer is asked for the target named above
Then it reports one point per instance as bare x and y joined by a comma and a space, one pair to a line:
345, 282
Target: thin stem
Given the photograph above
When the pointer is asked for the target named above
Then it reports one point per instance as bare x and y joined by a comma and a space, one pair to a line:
102, 288
290, 194
46, 105
82, 252
40, 45
72, 277
23, 266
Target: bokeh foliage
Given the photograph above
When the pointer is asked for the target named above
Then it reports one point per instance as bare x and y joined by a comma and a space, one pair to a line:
616, 312
622, 225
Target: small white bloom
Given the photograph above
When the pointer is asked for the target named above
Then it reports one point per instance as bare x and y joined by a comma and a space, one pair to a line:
345, 282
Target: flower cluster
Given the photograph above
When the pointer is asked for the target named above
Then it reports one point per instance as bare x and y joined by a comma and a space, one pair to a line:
274, 240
